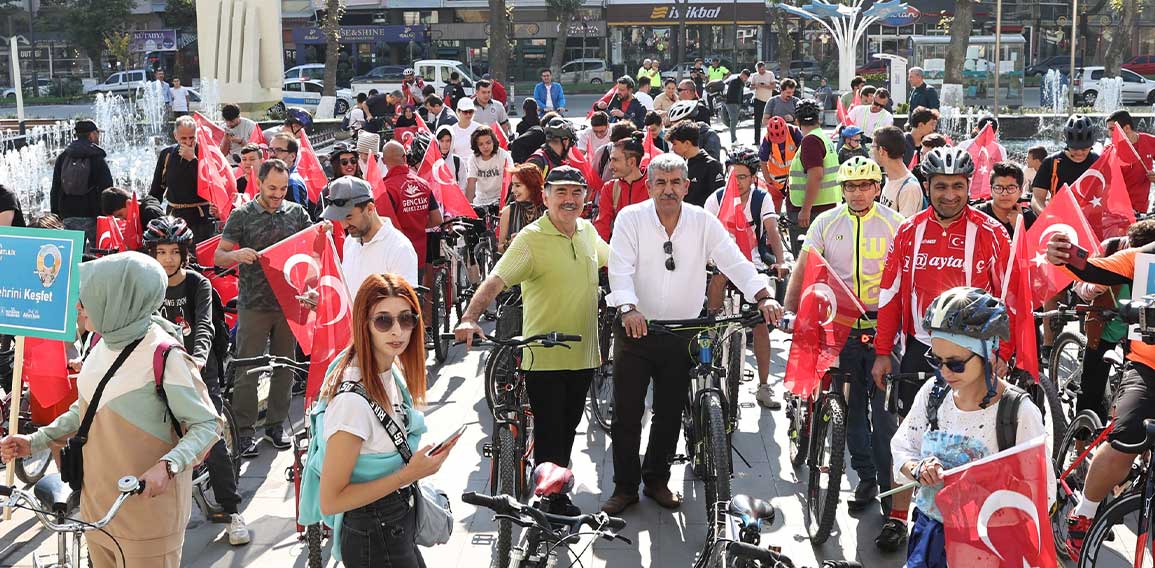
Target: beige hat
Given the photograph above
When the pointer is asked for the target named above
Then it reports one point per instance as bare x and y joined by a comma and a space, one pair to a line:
368, 142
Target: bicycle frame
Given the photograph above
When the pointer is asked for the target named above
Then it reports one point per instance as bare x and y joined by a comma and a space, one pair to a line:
514, 411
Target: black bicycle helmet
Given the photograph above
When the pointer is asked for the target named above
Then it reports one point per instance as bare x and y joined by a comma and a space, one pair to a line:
1080, 132
566, 175
972, 312
300, 116
947, 161
417, 149
168, 231
341, 148
744, 156
807, 111
560, 128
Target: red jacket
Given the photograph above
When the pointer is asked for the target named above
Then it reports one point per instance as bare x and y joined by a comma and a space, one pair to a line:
500, 94
628, 194
412, 201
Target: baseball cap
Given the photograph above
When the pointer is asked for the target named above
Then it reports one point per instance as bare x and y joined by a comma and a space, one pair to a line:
466, 104
86, 126
345, 193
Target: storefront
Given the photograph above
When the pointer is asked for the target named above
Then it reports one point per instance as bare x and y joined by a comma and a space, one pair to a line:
366, 46
734, 31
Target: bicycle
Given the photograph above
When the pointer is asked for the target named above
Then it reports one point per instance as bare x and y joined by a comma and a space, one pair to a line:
602, 387
54, 503
32, 468
704, 421
510, 448
1065, 366
735, 534
449, 292
821, 446
1120, 535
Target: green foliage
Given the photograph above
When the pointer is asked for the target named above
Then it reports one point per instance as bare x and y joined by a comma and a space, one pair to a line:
117, 44
87, 22
180, 14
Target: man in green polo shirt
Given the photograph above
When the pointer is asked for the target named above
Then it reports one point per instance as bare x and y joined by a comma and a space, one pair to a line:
555, 260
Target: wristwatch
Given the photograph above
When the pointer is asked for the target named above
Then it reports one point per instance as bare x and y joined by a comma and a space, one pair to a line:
625, 309
171, 468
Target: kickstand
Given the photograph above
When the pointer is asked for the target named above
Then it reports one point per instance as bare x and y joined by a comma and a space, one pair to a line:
741, 457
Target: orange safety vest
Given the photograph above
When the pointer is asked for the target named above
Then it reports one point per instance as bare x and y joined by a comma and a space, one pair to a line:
779, 162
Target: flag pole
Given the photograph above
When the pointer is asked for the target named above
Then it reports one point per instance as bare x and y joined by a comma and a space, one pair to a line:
14, 413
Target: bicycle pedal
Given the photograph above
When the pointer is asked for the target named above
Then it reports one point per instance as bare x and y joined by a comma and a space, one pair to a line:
679, 459
487, 450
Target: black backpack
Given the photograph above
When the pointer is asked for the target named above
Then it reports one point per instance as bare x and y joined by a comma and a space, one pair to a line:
1007, 418
221, 334
74, 175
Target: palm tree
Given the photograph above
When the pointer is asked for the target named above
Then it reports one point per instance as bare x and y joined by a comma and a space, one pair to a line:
956, 52
564, 10
500, 17
334, 9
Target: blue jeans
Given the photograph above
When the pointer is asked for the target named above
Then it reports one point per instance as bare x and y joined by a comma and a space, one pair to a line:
869, 427
381, 534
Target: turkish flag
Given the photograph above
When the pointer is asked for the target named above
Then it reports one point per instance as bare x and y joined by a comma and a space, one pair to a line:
293, 268
843, 114
1102, 193
606, 98
206, 249
46, 371
258, 136
732, 214
110, 234
1124, 149
826, 311
406, 135
215, 181
134, 229
215, 133
227, 286
651, 151
333, 326
984, 152
310, 170
380, 193
1019, 297
506, 185
581, 161
995, 510
1062, 215
422, 125
502, 139
434, 171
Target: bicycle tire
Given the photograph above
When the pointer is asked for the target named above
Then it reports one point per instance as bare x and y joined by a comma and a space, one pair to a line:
1083, 427
1065, 366
32, 468
505, 464
735, 367
232, 438
440, 316
717, 458
1054, 413
602, 396
829, 424
798, 430
1109, 527
313, 537
499, 369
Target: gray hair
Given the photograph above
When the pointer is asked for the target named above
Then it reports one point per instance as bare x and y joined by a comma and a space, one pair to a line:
917, 71
185, 121
668, 162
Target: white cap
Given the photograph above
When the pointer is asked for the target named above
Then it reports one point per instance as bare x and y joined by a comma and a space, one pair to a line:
645, 61
466, 104
368, 142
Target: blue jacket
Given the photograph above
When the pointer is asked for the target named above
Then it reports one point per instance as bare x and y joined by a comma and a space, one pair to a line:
555, 92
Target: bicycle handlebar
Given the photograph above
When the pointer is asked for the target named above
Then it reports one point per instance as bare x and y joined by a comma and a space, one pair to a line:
552, 339
1146, 444
128, 485
765, 556
1073, 312
748, 318
508, 506
266, 363
913, 378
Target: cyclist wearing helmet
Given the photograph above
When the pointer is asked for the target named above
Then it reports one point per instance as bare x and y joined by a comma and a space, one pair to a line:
760, 214
705, 172
560, 136
296, 120
708, 140
955, 417
776, 152
628, 185
1064, 167
853, 238
813, 173
851, 137
946, 245
188, 303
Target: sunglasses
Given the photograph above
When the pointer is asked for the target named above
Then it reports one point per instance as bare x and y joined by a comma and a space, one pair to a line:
384, 322
348, 162
346, 201
952, 365
668, 248
464, 112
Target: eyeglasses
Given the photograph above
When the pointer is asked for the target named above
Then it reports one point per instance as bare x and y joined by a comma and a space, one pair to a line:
348, 162
1008, 189
668, 248
384, 322
346, 201
952, 365
279, 150
684, 89
857, 187
743, 177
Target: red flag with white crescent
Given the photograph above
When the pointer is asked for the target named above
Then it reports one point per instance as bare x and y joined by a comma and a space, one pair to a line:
1019, 297
733, 216
422, 125
1062, 215
333, 326
310, 170
215, 181
216, 134
293, 268
134, 228
110, 235
436, 173
826, 311
380, 193
984, 152
606, 98
406, 135
1101, 192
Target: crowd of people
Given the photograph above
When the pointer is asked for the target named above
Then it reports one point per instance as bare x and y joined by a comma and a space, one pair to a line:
636, 194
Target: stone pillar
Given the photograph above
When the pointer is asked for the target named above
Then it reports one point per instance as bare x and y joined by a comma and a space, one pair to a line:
240, 50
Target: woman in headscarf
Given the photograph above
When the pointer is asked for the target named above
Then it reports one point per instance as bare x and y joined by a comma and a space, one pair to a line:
132, 432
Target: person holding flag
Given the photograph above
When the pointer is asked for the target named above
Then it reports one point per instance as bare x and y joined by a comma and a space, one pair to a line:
117, 202
238, 131
955, 418
739, 205
261, 321
851, 239
1064, 167
951, 244
1136, 152
175, 180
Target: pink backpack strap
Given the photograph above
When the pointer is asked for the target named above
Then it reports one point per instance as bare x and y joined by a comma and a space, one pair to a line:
159, 358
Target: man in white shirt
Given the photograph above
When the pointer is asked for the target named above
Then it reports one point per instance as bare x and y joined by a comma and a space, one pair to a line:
902, 191
372, 244
463, 130
763, 82
596, 136
657, 270
872, 114
238, 132
643, 95
179, 99
163, 90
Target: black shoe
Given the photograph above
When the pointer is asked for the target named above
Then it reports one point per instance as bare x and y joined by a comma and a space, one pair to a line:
276, 437
892, 536
250, 447
864, 496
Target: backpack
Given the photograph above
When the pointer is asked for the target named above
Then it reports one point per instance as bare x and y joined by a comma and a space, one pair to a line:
221, 334
74, 175
1007, 417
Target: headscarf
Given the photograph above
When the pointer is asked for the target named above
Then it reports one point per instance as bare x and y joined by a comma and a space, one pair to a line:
121, 294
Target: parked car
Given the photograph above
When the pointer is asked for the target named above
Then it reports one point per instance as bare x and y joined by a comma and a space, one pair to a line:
808, 70
312, 71
121, 83
1061, 63
433, 71
307, 95
1136, 88
44, 88
588, 70
1141, 64
872, 66
672, 73
382, 73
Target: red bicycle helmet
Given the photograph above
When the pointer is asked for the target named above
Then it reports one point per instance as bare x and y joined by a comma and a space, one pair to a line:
776, 130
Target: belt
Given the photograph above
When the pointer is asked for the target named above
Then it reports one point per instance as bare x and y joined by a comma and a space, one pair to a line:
188, 205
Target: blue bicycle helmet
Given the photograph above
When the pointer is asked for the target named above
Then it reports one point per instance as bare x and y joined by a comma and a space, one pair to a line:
298, 115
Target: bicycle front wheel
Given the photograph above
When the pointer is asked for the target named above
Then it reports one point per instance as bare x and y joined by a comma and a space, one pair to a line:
440, 316
1079, 434
735, 367
499, 369
1113, 540
717, 456
798, 429
503, 481
827, 463
602, 396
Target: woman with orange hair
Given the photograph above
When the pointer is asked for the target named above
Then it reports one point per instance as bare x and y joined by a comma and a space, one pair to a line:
356, 479
526, 206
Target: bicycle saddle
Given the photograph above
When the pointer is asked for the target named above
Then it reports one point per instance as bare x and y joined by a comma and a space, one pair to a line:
1113, 357
551, 479
55, 495
750, 507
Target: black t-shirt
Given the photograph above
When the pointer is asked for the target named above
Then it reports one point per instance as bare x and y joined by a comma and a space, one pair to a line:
8, 202
192, 312
911, 148
1051, 177
1028, 217
735, 88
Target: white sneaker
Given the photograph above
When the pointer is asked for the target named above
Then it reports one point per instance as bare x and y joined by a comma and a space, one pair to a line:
238, 530
765, 397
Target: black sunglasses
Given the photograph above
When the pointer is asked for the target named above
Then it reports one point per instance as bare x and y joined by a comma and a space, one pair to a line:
668, 248
348, 162
952, 365
346, 201
384, 322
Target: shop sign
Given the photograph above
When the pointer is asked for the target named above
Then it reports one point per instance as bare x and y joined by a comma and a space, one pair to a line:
152, 40
362, 34
909, 17
721, 12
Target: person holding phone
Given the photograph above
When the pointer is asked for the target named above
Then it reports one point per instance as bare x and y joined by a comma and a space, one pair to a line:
365, 486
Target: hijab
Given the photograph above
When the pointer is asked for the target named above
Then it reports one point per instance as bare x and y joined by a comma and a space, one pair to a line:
121, 294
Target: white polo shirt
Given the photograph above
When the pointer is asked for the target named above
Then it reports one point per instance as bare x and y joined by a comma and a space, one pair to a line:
388, 251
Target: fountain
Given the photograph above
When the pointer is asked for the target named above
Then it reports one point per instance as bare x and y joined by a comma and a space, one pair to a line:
958, 123
1054, 92
1110, 96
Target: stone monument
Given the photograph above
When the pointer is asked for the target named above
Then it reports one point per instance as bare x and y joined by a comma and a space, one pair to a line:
241, 55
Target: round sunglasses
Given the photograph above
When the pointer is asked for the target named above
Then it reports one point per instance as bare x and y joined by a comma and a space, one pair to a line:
384, 322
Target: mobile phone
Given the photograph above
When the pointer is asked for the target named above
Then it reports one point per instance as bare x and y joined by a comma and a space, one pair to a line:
447, 441
1078, 258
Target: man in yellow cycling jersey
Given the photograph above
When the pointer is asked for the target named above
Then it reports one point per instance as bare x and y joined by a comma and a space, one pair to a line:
853, 239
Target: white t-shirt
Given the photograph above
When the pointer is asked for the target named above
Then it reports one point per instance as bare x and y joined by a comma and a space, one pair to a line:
461, 145
763, 85
350, 412
489, 175
357, 118
388, 251
646, 100
903, 194
180, 99
714, 204
589, 142
548, 96
870, 121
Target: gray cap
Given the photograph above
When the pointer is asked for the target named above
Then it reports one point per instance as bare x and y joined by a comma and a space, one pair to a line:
344, 193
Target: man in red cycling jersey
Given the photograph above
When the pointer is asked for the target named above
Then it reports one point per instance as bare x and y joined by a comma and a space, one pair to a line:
946, 245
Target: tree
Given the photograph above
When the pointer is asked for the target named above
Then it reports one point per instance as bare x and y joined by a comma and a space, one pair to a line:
334, 9
86, 22
180, 14
564, 10
960, 33
500, 34
1120, 35
117, 44
781, 25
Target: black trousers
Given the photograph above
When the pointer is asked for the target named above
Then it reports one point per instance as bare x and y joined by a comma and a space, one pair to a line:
759, 108
558, 399
222, 476
1093, 385
665, 360
381, 534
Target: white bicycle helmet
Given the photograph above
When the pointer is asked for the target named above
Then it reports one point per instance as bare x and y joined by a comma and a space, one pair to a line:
682, 110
